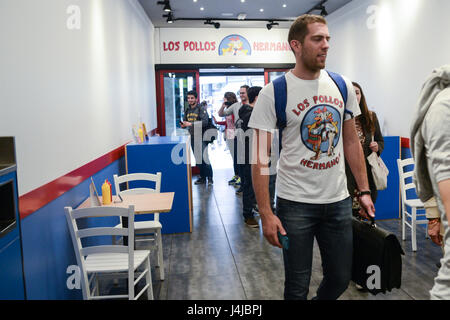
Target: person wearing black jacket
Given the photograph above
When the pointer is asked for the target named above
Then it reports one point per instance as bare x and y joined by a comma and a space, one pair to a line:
248, 195
195, 119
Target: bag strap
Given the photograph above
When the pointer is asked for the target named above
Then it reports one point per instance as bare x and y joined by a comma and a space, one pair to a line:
280, 95
342, 86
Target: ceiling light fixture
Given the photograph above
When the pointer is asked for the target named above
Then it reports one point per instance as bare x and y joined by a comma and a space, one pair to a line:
201, 9
261, 10
271, 24
284, 5
320, 6
242, 16
323, 11
215, 24
166, 4
169, 17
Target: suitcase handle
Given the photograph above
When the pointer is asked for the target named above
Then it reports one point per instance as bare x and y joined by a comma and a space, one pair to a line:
371, 219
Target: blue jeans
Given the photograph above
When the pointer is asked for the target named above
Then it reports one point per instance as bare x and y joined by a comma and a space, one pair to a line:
331, 225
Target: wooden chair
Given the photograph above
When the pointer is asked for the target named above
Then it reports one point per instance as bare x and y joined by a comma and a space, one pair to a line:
149, 230
105, 259
413, 204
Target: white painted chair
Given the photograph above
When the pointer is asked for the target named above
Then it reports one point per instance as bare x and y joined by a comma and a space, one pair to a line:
149, 230
100, 260
413, 204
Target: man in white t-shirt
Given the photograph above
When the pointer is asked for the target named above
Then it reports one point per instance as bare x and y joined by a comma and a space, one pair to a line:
312, 197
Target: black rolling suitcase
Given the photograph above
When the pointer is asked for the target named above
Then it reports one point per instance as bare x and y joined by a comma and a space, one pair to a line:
377, 261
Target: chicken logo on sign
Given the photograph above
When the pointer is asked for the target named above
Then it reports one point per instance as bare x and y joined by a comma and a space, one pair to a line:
235, 45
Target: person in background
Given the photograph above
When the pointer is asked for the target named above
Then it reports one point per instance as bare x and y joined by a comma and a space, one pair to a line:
248, 195
234, 109
229, 98
430, 147
195, 119
371, 139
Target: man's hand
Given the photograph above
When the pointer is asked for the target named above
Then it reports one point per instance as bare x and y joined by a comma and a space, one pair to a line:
271, 225
185, 124
367, 207
434, 228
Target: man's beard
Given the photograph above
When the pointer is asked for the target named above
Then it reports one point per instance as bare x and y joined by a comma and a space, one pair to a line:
311, 63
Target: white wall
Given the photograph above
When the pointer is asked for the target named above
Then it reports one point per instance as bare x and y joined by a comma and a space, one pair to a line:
390, 47
71, 96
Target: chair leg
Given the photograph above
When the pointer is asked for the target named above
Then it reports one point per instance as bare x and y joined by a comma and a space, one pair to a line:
148, 278
413, 229
160, 255
403, 225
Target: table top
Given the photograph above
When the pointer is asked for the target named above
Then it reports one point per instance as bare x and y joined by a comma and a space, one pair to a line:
143, 203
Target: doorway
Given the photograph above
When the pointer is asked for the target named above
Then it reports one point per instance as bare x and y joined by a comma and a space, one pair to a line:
213, 85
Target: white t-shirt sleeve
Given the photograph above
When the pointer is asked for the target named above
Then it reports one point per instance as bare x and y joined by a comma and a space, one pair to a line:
263, 115
352, 103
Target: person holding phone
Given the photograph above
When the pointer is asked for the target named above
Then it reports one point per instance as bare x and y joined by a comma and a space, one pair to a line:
195, 119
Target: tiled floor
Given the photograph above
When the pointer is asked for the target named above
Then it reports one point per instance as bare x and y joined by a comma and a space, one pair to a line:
224, 259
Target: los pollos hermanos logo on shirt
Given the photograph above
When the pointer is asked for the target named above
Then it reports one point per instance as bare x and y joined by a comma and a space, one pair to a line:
320, 131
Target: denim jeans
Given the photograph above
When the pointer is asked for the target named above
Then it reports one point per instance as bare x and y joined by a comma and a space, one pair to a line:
202, 159
331, 225
248, 194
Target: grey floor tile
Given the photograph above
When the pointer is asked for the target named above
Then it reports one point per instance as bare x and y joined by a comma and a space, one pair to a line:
218, 287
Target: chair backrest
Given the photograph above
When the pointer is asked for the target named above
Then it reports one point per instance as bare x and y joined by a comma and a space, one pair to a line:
81, 251
403, 175
156, 178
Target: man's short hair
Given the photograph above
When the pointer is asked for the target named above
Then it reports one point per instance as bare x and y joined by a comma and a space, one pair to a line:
252, 93
299, 28
192, 93
246, 87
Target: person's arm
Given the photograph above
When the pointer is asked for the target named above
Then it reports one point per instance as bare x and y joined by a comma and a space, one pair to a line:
220, 123
262, 141
354, 155
444, 191
220, 112
378, 137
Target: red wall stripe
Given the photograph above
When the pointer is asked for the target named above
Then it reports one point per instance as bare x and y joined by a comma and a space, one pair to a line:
404, 142
36, 199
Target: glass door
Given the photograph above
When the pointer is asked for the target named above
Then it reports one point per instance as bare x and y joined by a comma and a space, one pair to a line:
172, 87
272, 74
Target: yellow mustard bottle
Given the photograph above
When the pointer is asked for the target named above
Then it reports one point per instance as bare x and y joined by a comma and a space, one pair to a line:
141, 134
106, 193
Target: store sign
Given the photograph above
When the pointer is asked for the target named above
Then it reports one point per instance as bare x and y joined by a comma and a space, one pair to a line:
190, 46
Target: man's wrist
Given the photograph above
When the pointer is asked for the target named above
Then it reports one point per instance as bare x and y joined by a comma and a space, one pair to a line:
434, 220
359, 194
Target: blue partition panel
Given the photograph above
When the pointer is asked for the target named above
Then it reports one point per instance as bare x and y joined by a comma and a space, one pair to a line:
168, 155
47, 245
388, 201
11, 270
